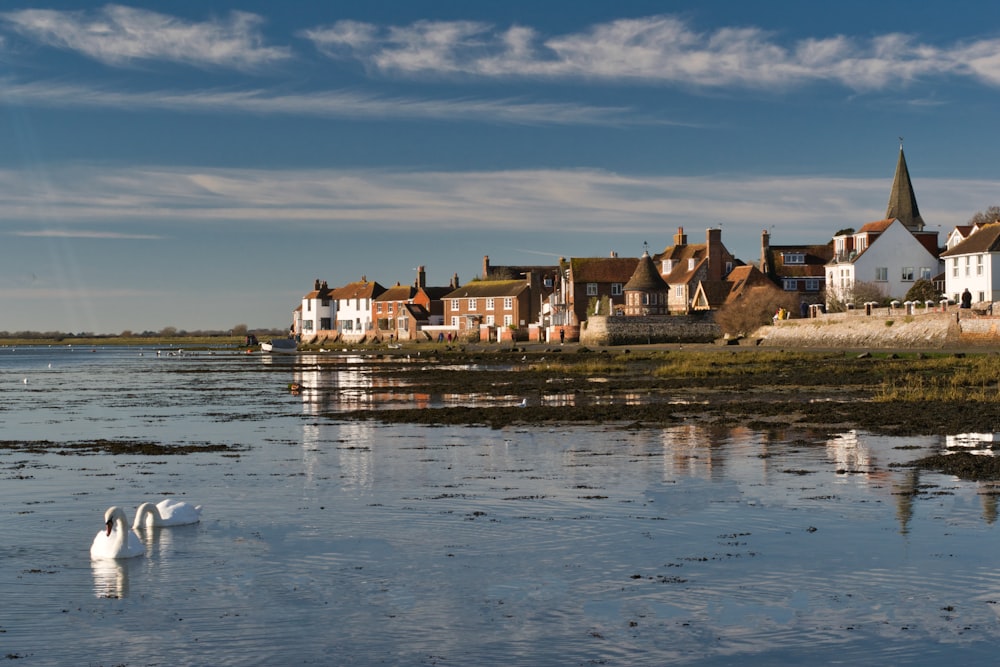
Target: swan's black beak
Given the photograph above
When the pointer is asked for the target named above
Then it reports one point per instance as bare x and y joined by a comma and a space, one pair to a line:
109, 524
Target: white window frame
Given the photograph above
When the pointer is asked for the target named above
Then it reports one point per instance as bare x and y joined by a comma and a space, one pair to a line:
508, 303
591, 289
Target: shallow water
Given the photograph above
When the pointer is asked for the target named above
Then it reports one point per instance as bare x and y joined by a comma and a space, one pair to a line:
331, 542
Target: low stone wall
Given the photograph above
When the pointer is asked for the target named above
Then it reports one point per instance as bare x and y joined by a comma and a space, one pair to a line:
615, 330
883, 329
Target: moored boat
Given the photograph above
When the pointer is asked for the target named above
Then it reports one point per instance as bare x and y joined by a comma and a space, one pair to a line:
279, 346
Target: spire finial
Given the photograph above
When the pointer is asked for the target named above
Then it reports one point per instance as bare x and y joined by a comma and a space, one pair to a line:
901, 143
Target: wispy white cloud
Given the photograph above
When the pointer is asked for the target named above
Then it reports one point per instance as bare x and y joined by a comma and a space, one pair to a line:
83, 234
656, 49
156, 202
329, 104
118, 35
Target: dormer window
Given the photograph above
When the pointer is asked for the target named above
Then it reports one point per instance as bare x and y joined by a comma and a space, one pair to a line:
794, 257
691, 264
668, 265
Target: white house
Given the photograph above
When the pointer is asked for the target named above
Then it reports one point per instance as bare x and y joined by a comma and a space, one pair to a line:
316, 312
974, 264
884, 253
892, 253
353, 308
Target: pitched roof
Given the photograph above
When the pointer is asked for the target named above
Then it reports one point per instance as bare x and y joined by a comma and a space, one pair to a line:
397, 293
646, 278
986, 239
902, 200
814, 261
602, 269
488, 288
357, 290
876, 227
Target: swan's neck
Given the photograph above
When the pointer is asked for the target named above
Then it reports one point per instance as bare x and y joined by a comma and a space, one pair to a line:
144, 510
121, 533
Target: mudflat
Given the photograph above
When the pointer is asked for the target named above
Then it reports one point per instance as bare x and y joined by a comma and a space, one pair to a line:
887, 392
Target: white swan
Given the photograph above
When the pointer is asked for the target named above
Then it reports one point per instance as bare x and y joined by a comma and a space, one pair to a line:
167, 512
117, 540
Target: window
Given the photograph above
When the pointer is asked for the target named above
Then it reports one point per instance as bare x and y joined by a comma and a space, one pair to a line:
473, 304
668, 265
616, 289
982, 296
979, 266
489, 304
378, 308
954, 268
679, 291
490, 320
691, 264
508, 320
591, 289
454, 321
881, 274
813, 284
925, 273
790, 284
508, 303
454, 304
967, 260
547, 281
793, 257
906, 275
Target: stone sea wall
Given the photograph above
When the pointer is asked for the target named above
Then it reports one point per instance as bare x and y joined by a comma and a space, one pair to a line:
883, 329
614, 330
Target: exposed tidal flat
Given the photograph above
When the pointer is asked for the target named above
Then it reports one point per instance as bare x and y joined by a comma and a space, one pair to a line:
650, 507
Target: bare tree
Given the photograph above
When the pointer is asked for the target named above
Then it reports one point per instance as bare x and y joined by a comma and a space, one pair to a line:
753, 310
990, 215
857, 294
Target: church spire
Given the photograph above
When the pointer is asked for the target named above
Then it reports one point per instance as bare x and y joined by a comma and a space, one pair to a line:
902, 200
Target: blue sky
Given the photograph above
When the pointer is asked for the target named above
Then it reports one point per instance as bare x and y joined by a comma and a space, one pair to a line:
198, 165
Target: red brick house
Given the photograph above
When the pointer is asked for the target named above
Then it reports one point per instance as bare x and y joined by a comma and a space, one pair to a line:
590, 279
684, 265
490, 307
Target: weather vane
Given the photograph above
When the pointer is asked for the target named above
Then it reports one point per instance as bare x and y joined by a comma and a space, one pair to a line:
901, 143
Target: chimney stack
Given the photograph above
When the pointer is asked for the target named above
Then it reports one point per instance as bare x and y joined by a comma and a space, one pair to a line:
713, 242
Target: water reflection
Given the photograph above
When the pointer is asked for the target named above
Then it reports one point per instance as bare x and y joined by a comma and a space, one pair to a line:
110, 578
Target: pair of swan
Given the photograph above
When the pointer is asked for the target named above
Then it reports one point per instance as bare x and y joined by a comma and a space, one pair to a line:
117, 540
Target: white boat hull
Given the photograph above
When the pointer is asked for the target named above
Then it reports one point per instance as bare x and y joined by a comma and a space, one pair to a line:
280, 346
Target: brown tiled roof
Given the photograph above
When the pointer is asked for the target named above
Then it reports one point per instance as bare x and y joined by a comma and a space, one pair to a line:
488, 288
876, 227
603, 269
357, 290
815, 256
645, 278
987, 239
397, 293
